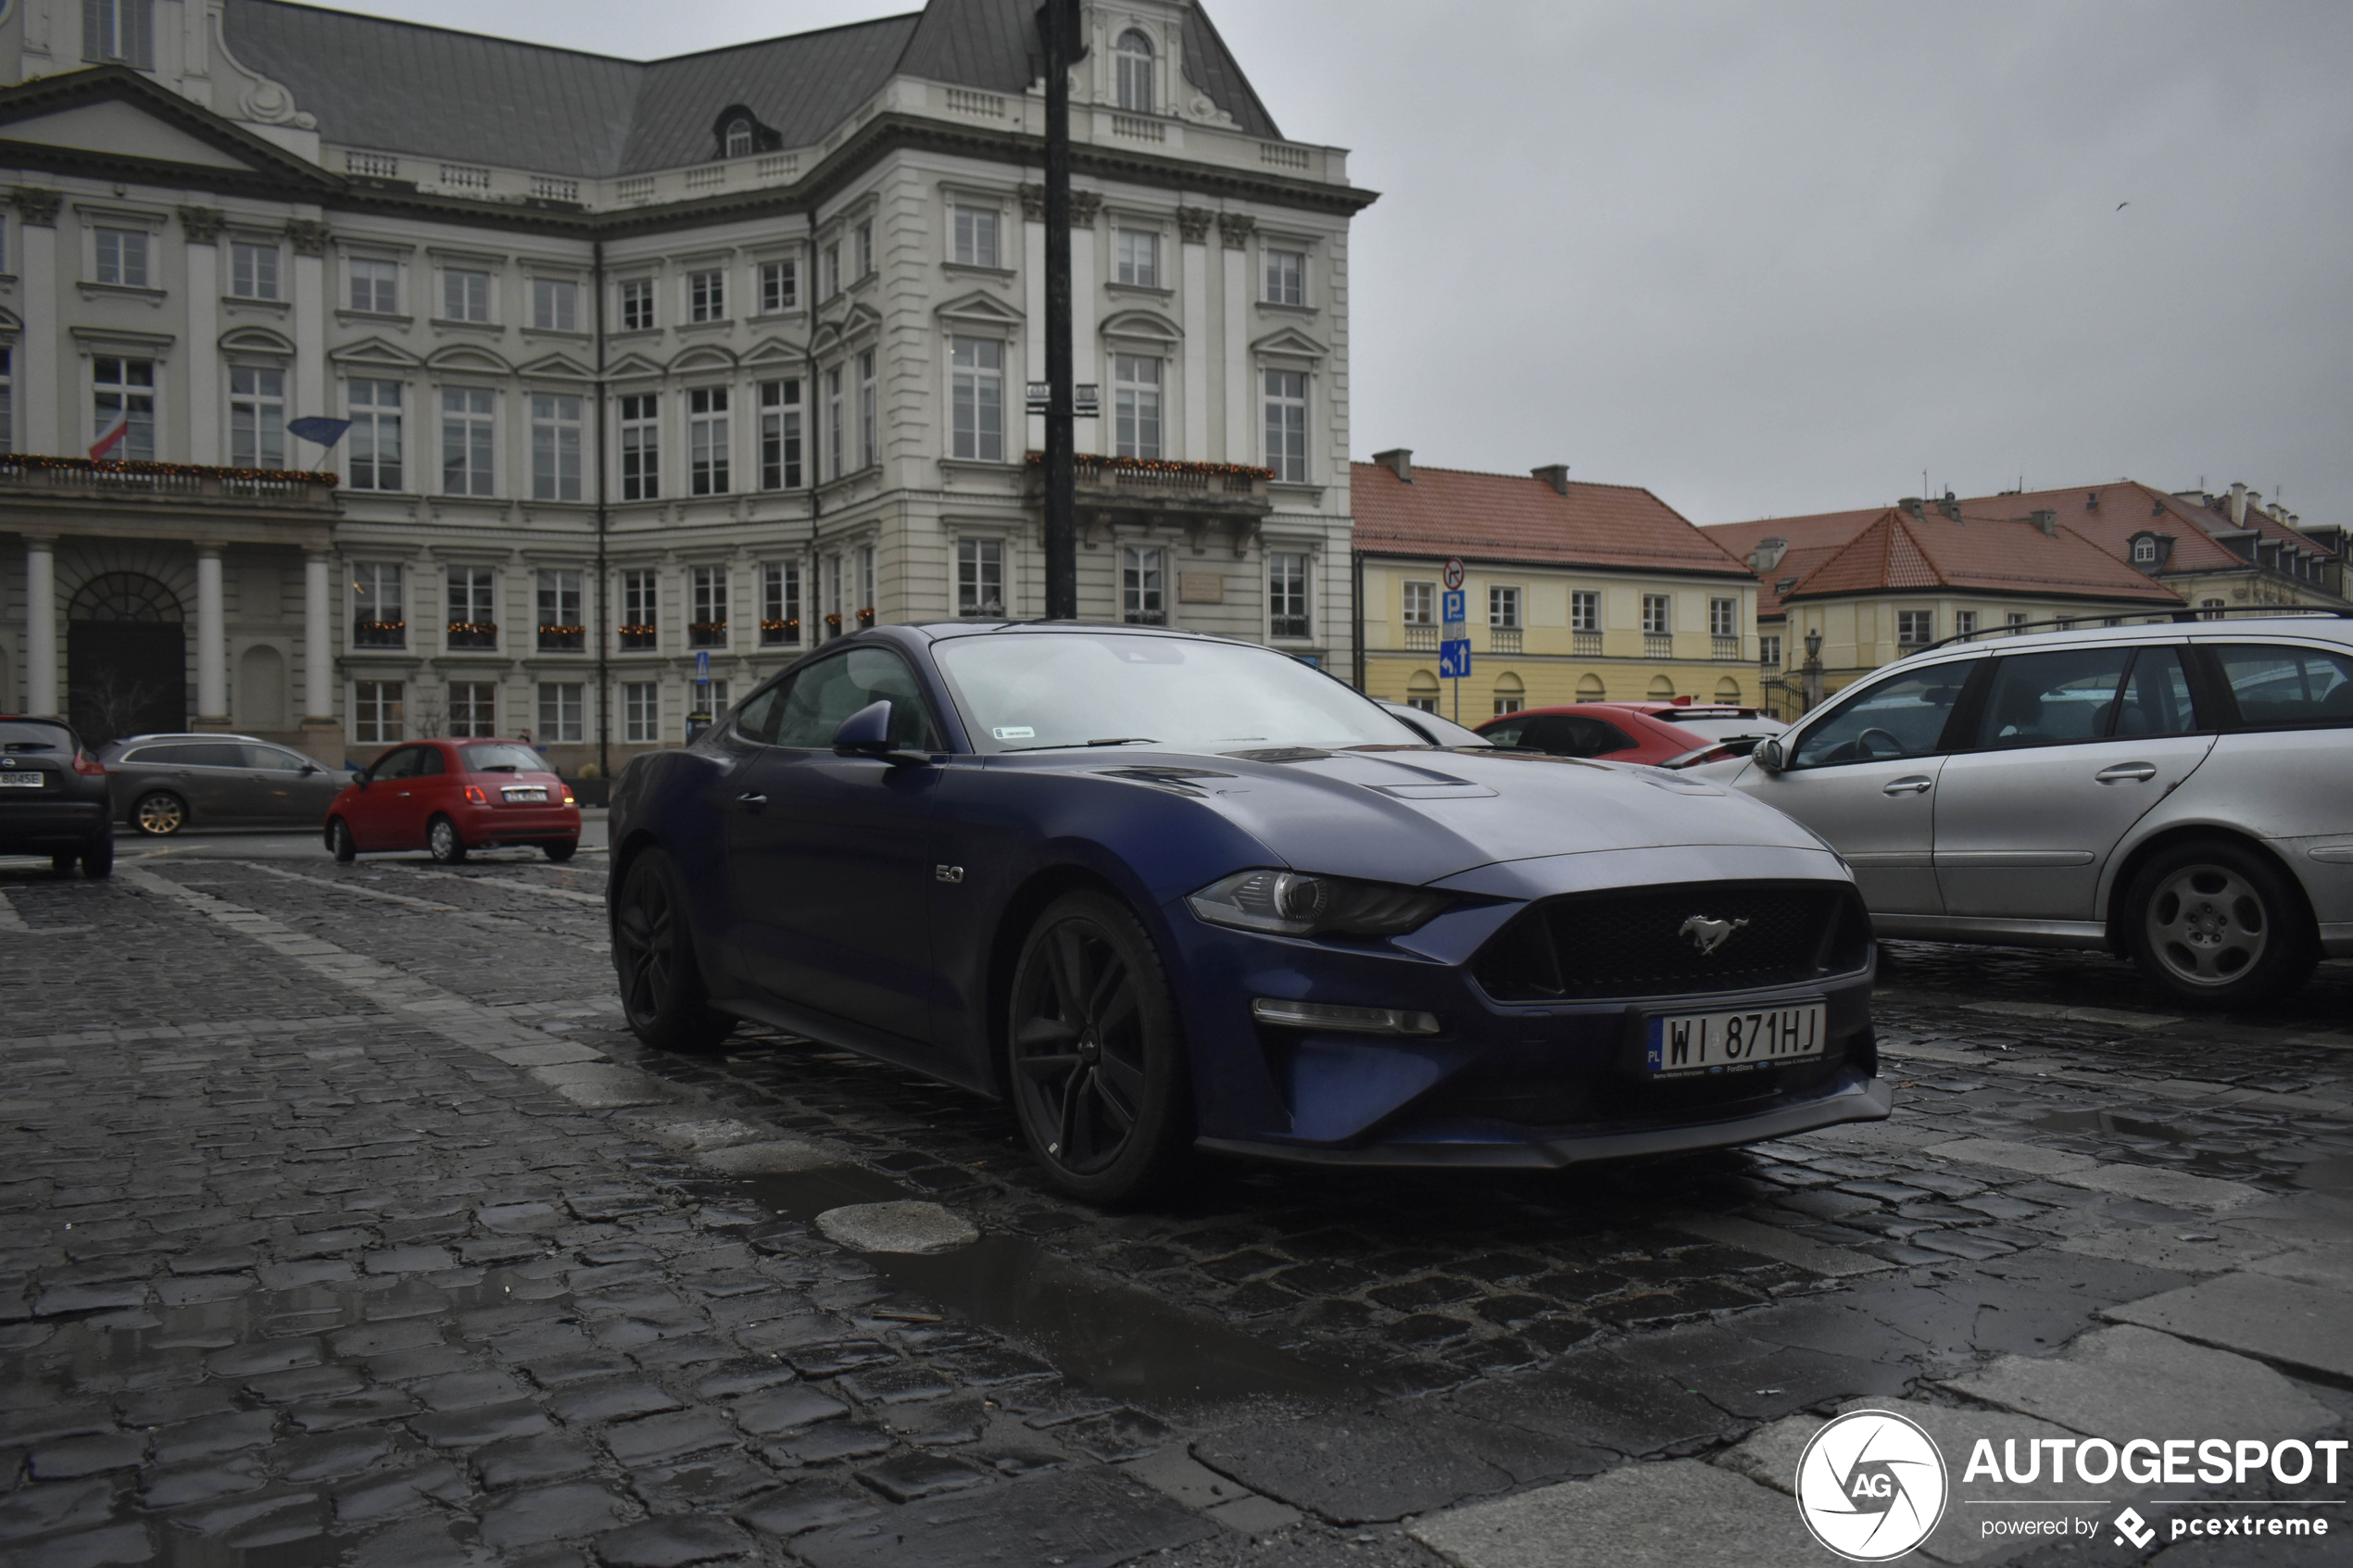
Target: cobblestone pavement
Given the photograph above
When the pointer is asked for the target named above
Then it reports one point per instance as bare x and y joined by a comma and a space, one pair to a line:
340, 1221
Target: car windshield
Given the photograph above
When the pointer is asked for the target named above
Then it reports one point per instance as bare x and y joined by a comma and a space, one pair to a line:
1032, 691
17, 735
502, 760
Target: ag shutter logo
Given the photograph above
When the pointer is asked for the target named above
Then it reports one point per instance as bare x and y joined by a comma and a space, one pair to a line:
1872, 1486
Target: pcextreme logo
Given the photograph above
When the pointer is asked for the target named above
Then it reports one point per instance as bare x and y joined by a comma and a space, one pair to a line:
1872, 1486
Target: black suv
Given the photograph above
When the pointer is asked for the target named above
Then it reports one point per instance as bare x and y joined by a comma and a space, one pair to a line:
52, 797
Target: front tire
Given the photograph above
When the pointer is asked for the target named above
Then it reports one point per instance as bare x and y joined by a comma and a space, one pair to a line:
1100, 1080
97, 857
442, 843
2217, 925
653, 950
160, 814
562, 850
339, 842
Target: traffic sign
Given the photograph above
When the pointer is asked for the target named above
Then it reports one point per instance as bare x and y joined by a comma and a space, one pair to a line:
703, 664
1454, 572
1453, 658
1451, 607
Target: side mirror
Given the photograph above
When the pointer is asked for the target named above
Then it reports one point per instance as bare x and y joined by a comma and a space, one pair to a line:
313, 768
865, 733
360, 779
1769, 755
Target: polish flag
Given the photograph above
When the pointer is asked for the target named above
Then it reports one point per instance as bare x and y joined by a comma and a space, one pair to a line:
111, 437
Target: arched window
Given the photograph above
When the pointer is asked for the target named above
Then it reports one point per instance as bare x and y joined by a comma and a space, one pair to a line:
739, 138
2144, 550
1662, 689
1727, 690
1589, 688
1133, 55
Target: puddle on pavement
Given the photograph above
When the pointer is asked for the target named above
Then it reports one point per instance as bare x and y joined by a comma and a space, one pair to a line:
2114, 1124
1117, 1340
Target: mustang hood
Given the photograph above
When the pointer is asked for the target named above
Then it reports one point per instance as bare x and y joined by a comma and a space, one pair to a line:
1413, 816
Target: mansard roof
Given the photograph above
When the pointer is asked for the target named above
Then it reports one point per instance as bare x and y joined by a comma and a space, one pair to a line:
438, 93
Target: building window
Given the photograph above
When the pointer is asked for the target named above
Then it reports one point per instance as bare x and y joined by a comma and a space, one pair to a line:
555, 305
1140, 597
379, 618
2015, 621
257, 418
779, 286
1133, 60
780, 434
863, 236
706, 627
1287, 424
2208, 609
640, 711
1915, 628
1723, 617
122, 257
555, 447
465, 441
1140, 257
374, 452
833, 423
975, 244
1658, 615
829, 274
780, 604
1965, 624
473, 610
1507, 705
561, 711
977, 393
640, 448
474, 709
375, 286
1421, 603
637, 305
376, 712
562, 629
706, 296
707, 441
465, 294
1136, 405
869, 438
118, 32
253, 271
865, 586
738, 138
1768, 651
980, 577
1503, 608
833, 596
2144, 551
1585, 609
124, 394
640, 624
1287, 594
1285, 277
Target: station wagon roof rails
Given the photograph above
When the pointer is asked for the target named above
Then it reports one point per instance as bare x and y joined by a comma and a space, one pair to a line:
2185, 616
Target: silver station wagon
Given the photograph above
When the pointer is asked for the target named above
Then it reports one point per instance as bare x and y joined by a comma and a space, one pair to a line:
2177, 794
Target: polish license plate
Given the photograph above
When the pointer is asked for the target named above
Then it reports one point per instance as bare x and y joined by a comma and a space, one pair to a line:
518, 795
18, 778
1715, 1042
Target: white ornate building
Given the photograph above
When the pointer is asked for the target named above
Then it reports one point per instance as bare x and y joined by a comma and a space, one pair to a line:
643, 361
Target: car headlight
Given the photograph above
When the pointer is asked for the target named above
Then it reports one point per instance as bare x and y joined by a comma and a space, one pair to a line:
1296, 904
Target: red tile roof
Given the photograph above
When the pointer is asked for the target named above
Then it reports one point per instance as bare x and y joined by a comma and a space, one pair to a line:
1520, 518
1986, 552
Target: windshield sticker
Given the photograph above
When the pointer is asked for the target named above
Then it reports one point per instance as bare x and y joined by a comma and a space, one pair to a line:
1014, 732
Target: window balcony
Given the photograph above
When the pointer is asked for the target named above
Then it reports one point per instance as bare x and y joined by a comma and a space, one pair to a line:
707, 634
379, 633
780, 634
473, 636
1658, 644
1421, 639
563, 639
639, 639
1291, 626
1147, 617
1585, 645
1503, 639
1726, 648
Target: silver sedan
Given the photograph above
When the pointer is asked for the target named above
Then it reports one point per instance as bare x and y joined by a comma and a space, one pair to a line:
162, 783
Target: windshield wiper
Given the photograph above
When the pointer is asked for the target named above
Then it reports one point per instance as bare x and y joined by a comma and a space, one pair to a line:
1107, 740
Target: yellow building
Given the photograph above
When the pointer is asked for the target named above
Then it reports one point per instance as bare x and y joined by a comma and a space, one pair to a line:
1574, 593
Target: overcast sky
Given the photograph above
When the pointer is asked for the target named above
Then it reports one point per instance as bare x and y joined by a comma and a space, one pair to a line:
1777, 259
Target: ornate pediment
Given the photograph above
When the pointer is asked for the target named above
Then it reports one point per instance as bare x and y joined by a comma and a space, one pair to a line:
775, 351
703, 357
1142, 326
1289, 342
257, 340
112, 117
467, 357
560, 367
634, 364
375, 351
979, 308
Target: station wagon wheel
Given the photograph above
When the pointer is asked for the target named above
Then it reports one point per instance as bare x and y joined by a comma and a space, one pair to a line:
662, 985
160, 814
2217, 925
1097, 1060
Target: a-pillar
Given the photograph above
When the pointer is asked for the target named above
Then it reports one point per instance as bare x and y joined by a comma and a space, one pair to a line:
212, 675
41, 624
322, 733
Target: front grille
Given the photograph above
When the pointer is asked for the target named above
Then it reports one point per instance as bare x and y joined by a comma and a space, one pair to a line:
1638, 942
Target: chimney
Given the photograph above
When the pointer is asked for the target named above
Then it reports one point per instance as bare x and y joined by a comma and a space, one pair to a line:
2047, 520
1950, 507
2091, 501
2238, 505
1553, 474
1912, 505
1398, 461
1766, 556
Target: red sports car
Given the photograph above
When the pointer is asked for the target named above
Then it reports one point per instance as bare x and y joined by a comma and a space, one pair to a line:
1663, 734
452, 795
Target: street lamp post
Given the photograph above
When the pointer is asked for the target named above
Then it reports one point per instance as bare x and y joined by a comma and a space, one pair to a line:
1813, 669
1054, 21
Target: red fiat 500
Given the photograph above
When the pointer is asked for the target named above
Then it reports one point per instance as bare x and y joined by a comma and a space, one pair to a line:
452, 795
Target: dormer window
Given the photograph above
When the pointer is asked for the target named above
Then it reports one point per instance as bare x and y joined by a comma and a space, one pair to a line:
1133, 53
2144, 551
738, 138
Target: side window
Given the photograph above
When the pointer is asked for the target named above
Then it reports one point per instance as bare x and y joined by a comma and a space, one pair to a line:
271, 757
824, 695
397, 764
1509, 731
2052, 698
217, 754
757, 721
1901, 716
2276, 686
1598, 737
166, 756
2156, 696
429, 762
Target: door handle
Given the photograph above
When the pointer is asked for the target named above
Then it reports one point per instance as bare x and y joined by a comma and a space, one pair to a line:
1908, 786
2143, 772
402, 796
755, 804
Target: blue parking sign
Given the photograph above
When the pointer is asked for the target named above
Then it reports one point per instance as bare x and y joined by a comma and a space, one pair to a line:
1452, 607
1453, 658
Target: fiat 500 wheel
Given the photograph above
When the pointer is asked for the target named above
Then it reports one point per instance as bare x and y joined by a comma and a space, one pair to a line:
653, 950
442, 840
1099, 1080
160, 814
2217, 925
339, 843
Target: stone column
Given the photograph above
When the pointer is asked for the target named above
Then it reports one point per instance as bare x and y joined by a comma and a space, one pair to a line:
322, 735
41, 402
1193, 225
41, 624
1241, 446
212, 684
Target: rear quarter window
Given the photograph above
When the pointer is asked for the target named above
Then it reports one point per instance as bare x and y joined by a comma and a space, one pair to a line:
2278, 687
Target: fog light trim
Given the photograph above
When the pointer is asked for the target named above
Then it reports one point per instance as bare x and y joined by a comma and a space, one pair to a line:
1333, 1016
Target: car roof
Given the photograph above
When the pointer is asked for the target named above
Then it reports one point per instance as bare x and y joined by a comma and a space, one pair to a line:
190, 735
1585, 710
2330, 626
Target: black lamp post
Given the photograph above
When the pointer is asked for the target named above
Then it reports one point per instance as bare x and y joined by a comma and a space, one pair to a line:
1056, 23
1813, 669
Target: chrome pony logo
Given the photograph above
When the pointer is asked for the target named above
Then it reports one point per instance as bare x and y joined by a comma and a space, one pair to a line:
1707, 934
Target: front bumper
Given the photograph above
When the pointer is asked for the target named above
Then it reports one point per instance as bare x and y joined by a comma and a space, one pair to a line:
42, 827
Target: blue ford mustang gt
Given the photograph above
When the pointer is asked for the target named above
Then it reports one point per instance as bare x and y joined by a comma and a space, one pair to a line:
1165, 891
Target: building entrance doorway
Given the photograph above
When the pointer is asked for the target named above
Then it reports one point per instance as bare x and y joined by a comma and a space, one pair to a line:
126, 658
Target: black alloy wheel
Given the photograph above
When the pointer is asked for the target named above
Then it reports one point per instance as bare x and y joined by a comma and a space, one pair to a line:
442, 841
653, 950
2219, 925
160, 814
561, 850
1098, 1073
97, 857
339, 842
